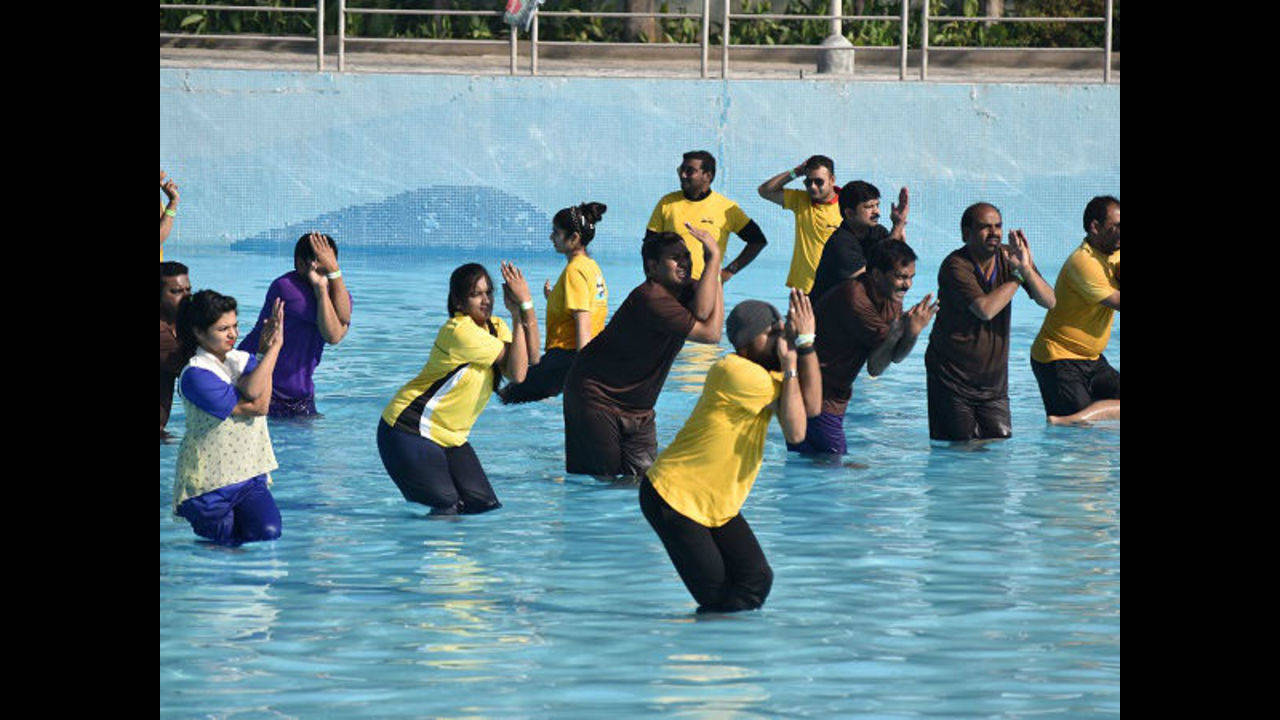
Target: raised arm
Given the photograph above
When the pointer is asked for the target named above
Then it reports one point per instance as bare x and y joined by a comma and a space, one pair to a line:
170, 211
791, 409
755, 242
1020, 260
708, 305
898, 215
882, 354
917, 319
524, 322
255, 386
333, 302
771, 189
801, 322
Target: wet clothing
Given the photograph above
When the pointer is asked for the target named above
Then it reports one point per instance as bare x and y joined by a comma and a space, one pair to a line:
843, 255
618, 376
544, 380
815, 222
580, 287
852, 320
1069, 386
714, 213
224, 459
170, 365
292, 390
824, 434
967, 362
450, 480
693, 494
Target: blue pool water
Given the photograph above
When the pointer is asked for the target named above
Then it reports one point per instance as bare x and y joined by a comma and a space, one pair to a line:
931, 583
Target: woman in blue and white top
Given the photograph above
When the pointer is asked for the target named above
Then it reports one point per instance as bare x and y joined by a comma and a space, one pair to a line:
225, 456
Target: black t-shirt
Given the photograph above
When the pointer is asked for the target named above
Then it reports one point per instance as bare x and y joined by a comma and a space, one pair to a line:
967, 354
626, 365
842, 256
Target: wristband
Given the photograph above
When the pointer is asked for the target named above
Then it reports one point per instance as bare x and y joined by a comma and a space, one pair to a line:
804, 339
171, 213
791, 175
1017, 275
335, 274
806, 349
790, 374
526, 305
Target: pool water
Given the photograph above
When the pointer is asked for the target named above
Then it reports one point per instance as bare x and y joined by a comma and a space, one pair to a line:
923, 582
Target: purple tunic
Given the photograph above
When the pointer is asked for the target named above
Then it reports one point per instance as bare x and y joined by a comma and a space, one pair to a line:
292, 391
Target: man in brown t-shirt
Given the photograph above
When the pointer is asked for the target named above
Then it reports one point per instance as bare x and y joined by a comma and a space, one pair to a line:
174, 286
967, 362
861, 321
614, 382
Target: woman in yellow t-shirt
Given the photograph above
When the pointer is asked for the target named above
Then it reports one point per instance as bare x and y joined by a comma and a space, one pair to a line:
422, 435
693, 493
577, 306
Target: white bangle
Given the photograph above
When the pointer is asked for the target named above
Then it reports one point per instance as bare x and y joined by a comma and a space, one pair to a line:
804, 339
335, 274
526, 305
786, 375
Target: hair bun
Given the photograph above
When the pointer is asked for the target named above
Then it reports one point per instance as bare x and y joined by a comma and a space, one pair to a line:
592, 211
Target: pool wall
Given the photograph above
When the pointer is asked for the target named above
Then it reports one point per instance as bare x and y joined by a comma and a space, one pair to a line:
446, 160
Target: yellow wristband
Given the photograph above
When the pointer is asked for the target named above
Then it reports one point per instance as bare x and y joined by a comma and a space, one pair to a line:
170, 213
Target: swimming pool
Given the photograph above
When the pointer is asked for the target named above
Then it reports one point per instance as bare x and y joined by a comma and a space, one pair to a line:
932, 582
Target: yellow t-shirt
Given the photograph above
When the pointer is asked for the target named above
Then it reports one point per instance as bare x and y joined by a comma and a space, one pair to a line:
1078, 327
814, 224
444, 400
706, 473
580, 287
714, 213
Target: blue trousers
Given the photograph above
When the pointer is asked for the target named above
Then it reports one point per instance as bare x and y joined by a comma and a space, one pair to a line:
234, 514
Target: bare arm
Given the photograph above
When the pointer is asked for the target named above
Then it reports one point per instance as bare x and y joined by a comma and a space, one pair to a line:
916, 319
255, 386
1112, 301
333, 303
882, 355
755, 242
898, 215
791, 409
514, 292
801, 321
582, 324
771, 189
170, 189
708, 287
1019, 256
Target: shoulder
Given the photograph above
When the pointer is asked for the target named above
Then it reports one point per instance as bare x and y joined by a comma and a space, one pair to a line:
670, 198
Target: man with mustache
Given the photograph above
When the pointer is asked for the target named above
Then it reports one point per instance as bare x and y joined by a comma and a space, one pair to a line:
967, 362
817, 212
696, 204
861, 322
1076, 382
845, 253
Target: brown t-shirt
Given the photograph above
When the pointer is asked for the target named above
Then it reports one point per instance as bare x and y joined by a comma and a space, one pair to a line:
625, 365
969, 355
170, 365
852, 321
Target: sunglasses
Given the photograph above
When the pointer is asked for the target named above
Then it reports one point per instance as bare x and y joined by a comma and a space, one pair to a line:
815, 182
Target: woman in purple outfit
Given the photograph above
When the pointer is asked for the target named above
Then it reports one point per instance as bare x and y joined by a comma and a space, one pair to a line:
317, 311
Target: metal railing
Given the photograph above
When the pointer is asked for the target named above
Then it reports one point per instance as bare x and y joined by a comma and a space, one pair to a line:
704, 19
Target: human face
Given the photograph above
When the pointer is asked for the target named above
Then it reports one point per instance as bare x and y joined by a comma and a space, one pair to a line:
673, 269
763, 348
820, 184
220, 337
985, 231
175, 288
693, 179
563, 242
478, 303
1106, 235
894, 285
865, 214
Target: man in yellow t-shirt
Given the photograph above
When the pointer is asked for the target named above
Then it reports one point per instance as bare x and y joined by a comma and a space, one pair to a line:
697, 204
693, 493
1076, 382
817, 212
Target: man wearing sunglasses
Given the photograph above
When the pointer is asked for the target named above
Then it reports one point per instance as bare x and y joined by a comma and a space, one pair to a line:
696, 204
817, 212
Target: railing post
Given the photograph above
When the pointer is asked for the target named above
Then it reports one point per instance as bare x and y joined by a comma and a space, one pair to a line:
924, 40
724, 40
319, 35
902, 59
514, 31
533, 47
706, 33
342, 34
837, 8
1106, 68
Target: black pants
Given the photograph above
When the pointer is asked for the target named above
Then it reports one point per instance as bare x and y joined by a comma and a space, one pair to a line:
544, 380
723, 567
449, 480
958, 419
1069, 386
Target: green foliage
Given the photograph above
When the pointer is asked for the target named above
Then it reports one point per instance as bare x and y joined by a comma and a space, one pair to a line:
883, 33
